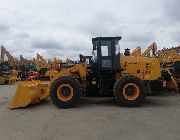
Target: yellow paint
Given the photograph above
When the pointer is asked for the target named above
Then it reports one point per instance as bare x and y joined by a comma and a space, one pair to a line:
34, 91
29, 92
61, 96
79, 70
51, 73
148, 68
136, 93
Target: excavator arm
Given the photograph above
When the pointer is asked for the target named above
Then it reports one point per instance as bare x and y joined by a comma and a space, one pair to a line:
23, 61
153, 48
69, 61
11, 61
41, 63
136, 52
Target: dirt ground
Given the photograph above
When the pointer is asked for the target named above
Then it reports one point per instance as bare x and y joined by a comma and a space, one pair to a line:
93, 119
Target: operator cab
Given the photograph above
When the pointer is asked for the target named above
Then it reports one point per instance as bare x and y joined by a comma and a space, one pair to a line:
106, 52
106, 62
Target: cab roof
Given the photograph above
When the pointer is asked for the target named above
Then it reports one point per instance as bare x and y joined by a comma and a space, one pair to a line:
106, 38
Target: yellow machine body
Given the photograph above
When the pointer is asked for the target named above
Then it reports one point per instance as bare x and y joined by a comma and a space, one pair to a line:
142, 67
78, 71
32, 92
136, 52
147, 69
51, 73
29, 92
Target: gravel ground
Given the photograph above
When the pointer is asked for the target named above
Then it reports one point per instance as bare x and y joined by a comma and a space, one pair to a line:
94, 119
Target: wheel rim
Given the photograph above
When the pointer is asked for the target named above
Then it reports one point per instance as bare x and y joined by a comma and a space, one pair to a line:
65, 92
131, 91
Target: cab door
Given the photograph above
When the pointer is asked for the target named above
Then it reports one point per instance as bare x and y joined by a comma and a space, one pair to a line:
106, 55
106, 70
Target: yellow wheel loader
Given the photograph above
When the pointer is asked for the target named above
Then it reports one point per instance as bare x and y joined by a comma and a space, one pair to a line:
127, 78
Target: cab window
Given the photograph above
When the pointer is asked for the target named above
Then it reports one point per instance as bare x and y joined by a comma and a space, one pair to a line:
105, 48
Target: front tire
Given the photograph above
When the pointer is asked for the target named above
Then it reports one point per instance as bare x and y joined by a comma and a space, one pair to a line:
65, 92
129, 91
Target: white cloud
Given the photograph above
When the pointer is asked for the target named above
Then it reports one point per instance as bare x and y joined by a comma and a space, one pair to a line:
65, 28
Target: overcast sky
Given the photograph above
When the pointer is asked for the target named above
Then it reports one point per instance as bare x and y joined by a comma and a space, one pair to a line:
64, 28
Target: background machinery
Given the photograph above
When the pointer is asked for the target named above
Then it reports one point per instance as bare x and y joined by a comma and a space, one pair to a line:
5, 75
136, 52
56, 64
12, 62
69, 61
10, 66
42, 65
23, 67
170, 66
127, 78
150, 51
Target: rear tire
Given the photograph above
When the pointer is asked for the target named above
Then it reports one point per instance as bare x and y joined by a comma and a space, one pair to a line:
130, 91
73, 91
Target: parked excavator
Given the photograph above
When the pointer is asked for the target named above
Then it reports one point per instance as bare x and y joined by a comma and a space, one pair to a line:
136, 52
150, 51
11, 64
35, 69
11, 61
42, 65
170, 67
4, 73
55, 64
23, 67
44, 68
127, 78
70, 62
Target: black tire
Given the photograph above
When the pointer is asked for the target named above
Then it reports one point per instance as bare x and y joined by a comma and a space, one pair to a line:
118, 91
77, 92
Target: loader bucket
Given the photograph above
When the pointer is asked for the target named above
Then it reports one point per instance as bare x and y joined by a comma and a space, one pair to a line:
29, 92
